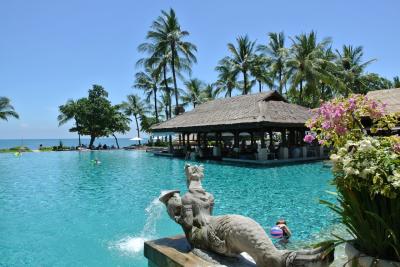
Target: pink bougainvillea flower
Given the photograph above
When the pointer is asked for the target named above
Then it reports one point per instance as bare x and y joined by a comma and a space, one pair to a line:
309, 138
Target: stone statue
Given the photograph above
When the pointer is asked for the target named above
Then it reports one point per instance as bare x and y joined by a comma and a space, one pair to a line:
230, 235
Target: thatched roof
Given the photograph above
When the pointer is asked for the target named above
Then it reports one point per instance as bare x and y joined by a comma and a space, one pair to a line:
389, 96
240, 112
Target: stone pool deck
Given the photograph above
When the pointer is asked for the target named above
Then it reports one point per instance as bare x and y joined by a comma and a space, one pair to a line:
175, 252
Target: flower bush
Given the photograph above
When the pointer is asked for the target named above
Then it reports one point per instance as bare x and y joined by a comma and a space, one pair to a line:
366, 171
371, 164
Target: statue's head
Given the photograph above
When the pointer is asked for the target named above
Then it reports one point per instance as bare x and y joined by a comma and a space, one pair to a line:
194, 173
173, 202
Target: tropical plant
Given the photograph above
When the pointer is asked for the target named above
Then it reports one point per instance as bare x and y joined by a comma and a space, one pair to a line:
158, 60
209, 92
396, 82
351, 69
259, 69
241, 59
194, 92
136, 108
119, 123
305, 67
150, 81
366, 172
226, 78
277, 53
69, 111
6, 109
168, 40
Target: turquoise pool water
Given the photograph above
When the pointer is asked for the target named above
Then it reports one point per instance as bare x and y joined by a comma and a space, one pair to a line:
59, 209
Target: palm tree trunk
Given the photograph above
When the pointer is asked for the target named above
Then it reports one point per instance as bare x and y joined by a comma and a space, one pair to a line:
167, 89
259, 86
137, 127
301, 92
280, 82
155, 103
79, 139
174, 75
116, 141
244, 83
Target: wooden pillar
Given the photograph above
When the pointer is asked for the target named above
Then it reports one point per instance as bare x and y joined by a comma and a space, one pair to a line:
180, 140
235, 139
198, 139
263, 140
252, 138
271, 146
205, 141
283, 135
188, 140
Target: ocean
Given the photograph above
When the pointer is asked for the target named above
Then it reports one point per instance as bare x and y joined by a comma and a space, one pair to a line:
35, 143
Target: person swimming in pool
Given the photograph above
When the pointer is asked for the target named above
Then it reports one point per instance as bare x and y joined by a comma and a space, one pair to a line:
285, 229
96, 161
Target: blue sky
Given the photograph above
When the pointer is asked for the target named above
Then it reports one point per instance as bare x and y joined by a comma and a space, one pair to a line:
51, 51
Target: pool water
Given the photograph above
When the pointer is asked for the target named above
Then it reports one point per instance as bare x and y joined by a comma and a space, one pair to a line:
60, 209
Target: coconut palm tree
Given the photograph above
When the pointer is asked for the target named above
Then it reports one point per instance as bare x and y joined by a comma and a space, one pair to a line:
149, 81
241, 59
259, 69
194, 92
168, 39
6, 109
351, 68
304, 65
69, 111
209, 92
396, 82
226, 78
278, 53
135, 107
157, 60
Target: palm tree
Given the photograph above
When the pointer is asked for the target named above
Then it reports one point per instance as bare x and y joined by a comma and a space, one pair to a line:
158, 60
276, 51
194, 92
396, 82
167, 37
6, 109
149, 80
69, 111
136, 108
260, 71
209, 92
242, 59
351, 68
304, 65
226, 78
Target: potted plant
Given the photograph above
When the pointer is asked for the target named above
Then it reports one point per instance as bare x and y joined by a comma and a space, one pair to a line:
366, 172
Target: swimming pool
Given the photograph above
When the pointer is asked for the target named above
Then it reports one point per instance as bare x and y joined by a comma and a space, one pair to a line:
59, 209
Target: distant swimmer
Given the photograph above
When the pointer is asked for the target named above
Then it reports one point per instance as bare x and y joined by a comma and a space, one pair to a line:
96, 161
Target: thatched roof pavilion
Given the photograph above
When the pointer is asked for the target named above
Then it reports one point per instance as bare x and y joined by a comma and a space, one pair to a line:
389, 96
259, 127
255, 111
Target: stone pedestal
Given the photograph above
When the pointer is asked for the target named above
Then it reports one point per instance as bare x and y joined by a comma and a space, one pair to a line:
216, 151
283, 153
321, 151
176, 252
304, 151
262, 154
